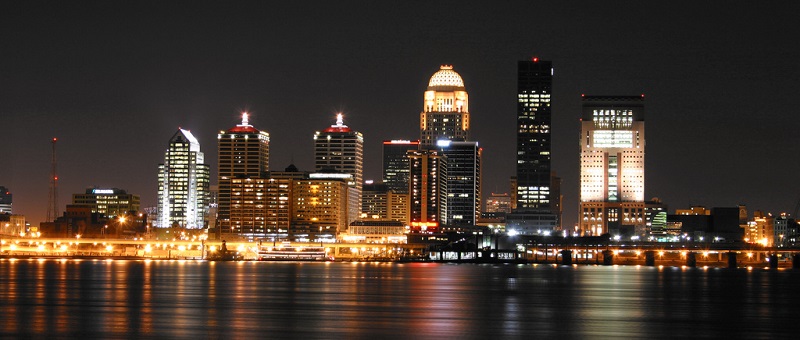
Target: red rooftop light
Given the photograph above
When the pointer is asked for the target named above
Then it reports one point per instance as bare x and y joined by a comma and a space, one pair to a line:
535, 59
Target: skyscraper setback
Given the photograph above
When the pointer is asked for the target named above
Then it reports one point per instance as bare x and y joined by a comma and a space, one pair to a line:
612, 165
183, 181
445, 112
243, 153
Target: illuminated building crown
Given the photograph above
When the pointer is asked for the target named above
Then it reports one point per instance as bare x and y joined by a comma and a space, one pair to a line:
446, 77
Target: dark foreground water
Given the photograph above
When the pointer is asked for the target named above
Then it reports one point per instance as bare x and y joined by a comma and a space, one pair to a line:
188, 299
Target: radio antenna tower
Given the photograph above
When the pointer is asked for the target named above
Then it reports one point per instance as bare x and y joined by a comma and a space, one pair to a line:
52, 201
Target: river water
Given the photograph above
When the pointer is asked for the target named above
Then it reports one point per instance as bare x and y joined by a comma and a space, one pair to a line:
197, 299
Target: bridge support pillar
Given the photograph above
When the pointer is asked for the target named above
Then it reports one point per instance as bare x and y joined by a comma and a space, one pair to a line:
691, 259
773, 261
608, 257
566, 257
731, 259
650, 258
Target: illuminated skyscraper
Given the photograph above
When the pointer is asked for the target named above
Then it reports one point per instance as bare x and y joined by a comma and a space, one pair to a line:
612, 165
395, 163
428, 194
463, 181
183, 182
341, 149
243, 153
534, 85
445, 112
110, 202
535, 211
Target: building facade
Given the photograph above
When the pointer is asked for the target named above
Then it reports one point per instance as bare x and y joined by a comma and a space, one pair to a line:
243, 153
445, 109
108, 202
395, 163
428, 190
379, 202
612, 145
534, 86
183, 183
464, 172
340, 149
5, 200
319, 209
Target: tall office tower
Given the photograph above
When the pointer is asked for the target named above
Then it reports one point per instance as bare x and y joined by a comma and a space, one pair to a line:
243, 153
5, 200
534, 85
183, 182
341, 149
612, 165
463, 181
445, 112
534, 212
428, 190
108, 202
395, 163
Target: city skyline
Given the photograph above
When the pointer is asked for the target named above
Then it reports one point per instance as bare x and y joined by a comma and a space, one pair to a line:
719, 97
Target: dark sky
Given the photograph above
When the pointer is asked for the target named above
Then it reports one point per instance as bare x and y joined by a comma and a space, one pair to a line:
114, 80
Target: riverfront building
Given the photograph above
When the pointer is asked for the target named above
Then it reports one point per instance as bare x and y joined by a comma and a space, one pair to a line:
340, 149
183, 182
395, 163
612, 145
243, 154
463, 181
108, 202
428, 190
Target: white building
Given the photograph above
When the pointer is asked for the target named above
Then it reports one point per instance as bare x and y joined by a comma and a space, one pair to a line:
183, 181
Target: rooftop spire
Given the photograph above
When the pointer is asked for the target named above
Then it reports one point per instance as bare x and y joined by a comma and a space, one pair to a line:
339, 119
245, 121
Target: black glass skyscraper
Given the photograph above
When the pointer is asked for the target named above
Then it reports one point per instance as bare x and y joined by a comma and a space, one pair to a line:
534, 86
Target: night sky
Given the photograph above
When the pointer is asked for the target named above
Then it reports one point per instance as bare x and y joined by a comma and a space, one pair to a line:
114, 80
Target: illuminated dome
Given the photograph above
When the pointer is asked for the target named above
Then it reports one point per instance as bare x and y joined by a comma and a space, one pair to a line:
446, 77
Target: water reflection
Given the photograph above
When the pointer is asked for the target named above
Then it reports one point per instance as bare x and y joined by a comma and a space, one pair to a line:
133, 299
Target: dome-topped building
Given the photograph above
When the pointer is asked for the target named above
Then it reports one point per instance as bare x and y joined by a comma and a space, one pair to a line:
446, 77
445, 112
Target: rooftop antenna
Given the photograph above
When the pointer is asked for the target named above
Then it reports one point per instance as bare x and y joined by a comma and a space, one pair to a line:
52, 201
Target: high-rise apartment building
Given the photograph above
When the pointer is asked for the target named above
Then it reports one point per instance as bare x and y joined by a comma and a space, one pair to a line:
445, 112
395, 163
319, 208
463, 181
108, 202
243, 153
612, 145
340, 149
428, 190
183, 182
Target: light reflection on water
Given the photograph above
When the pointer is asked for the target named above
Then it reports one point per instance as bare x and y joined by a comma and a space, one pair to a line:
128, 299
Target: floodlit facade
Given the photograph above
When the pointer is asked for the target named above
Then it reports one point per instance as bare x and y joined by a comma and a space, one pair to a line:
379, 202
319, 209
445, 109
428, 190
340, 149
463, 181
395, 163
108, 202
183, 183
612, 145
243, 152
